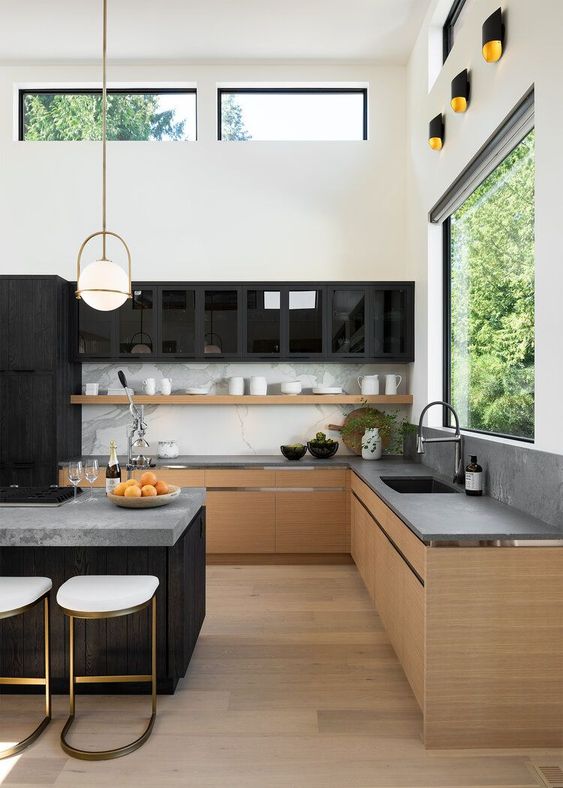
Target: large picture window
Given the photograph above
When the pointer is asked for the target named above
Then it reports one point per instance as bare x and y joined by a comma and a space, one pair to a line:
133, 114
489, 244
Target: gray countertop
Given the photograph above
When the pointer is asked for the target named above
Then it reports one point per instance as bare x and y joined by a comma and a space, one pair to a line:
432, 517
100, 524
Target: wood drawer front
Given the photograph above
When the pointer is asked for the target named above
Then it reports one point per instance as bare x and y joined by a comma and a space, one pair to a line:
407, 543
180, 476
221, 477
316, 477
240, 522
412, 657
310, 522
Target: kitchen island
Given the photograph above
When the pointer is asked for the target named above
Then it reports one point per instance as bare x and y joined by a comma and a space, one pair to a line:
100, 538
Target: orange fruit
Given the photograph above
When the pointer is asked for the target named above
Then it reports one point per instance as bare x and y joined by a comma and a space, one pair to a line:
148, 477
120, 489
148, 489
162, 488
131, 482
133, 491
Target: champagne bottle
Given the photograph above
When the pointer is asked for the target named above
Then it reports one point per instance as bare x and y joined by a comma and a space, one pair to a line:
113, 471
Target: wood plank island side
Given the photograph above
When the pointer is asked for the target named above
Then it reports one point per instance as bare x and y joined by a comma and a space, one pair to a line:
246, 399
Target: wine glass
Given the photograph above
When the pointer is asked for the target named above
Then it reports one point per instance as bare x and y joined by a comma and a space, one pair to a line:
74, 476
91, 473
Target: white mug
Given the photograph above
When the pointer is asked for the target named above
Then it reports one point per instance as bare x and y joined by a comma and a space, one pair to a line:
149, 386
258, 386
91, 389
369, 384
166, 386
392, 383
236, 386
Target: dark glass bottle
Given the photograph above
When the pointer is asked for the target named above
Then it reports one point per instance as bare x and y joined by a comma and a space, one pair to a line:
113, 471
473, 478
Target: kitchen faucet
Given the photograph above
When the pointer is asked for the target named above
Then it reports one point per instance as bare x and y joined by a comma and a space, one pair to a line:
137, 427
459, 477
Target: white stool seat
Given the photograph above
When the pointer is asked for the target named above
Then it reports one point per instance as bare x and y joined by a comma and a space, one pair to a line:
16, 592
106, 593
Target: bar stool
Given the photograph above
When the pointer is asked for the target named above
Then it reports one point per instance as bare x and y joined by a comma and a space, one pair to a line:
107, 596
18, 595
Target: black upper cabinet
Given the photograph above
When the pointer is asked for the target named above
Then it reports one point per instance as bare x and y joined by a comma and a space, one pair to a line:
177, 321
28, 337
328, 321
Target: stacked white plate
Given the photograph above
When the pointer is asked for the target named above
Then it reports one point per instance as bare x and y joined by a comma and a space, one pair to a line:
196, 390
327, 390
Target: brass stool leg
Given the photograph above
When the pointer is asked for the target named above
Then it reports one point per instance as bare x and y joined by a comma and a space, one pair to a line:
118, 752
16, 748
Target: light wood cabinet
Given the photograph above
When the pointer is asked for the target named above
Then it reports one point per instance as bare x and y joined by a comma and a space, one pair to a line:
241, 522
310, 522
396, 591
225, 477
312, 477
182, 477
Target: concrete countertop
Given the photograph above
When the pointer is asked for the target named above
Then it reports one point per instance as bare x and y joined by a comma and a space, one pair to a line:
100, 524
439, 517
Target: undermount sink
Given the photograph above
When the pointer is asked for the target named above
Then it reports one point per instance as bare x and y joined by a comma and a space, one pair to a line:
417, 484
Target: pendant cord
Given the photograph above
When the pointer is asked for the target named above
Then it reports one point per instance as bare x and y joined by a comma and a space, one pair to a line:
104, 124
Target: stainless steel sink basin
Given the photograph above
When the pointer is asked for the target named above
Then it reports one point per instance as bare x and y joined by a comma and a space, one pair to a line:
417, 484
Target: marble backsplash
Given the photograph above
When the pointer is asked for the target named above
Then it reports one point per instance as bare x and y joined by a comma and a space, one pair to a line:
224, 429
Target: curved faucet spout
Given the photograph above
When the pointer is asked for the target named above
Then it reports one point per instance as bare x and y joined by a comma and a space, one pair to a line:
457, 439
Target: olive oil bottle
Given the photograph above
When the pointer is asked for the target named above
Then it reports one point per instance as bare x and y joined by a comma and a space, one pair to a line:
113, 471
473, 478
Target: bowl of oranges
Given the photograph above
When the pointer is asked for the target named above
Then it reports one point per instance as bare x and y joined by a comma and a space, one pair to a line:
144, 493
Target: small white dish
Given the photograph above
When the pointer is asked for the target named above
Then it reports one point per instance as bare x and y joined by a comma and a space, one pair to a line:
327, 390
292, 387
197, 390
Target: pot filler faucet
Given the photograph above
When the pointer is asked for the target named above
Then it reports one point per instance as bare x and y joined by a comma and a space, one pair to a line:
457, 439
137, 427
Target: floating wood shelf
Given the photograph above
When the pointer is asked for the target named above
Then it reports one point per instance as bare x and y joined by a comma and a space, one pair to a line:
227, 399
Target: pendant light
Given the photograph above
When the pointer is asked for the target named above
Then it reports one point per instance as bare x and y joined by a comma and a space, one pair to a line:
103, 284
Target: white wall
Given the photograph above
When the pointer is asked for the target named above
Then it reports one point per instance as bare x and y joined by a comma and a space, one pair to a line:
532, 57
211, 210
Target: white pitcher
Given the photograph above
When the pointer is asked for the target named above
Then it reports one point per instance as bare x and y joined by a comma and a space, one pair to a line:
149, 385
166, 386
371, 444
369, 384
392, 383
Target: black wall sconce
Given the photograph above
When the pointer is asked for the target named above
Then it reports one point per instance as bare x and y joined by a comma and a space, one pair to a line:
460, 92
436, 132
493, 37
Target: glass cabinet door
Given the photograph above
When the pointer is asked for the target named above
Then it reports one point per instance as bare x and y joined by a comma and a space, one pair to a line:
95, 331
305, 321
263, 321
221, 322
348, 322
392, 322
177, 321
136, 323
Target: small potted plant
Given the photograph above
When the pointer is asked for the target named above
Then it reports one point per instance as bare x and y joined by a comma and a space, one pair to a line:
391, 432
322, 447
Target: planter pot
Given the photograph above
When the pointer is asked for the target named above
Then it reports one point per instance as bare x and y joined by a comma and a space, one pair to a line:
371, 444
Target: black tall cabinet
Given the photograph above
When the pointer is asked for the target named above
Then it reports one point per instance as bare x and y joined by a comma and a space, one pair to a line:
38, 425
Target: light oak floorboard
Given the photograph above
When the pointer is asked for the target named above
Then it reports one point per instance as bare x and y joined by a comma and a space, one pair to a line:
293, 684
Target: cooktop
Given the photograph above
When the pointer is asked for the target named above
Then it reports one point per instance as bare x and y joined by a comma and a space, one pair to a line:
35, 496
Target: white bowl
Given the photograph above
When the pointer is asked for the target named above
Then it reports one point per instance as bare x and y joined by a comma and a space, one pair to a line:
291, 387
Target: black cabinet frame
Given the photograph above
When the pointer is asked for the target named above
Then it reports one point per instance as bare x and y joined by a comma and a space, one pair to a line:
327, 291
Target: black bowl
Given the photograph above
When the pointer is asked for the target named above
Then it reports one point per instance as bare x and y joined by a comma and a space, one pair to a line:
321, 451
293, 452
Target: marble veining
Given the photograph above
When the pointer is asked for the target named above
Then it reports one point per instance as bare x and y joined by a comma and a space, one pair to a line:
224, 429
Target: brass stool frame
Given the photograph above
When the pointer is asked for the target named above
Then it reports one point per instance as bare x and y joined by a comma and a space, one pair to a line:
118, 752
46, 682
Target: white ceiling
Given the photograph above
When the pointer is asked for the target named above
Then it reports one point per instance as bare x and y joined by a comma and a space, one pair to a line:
211, 30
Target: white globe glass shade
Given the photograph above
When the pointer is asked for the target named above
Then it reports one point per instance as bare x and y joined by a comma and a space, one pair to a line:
103, 275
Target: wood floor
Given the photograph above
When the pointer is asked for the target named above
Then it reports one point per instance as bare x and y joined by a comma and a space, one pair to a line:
293, 683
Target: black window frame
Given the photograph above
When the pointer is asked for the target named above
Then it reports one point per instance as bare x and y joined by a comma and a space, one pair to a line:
23, 92
293, 91
448, 28
446, 336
